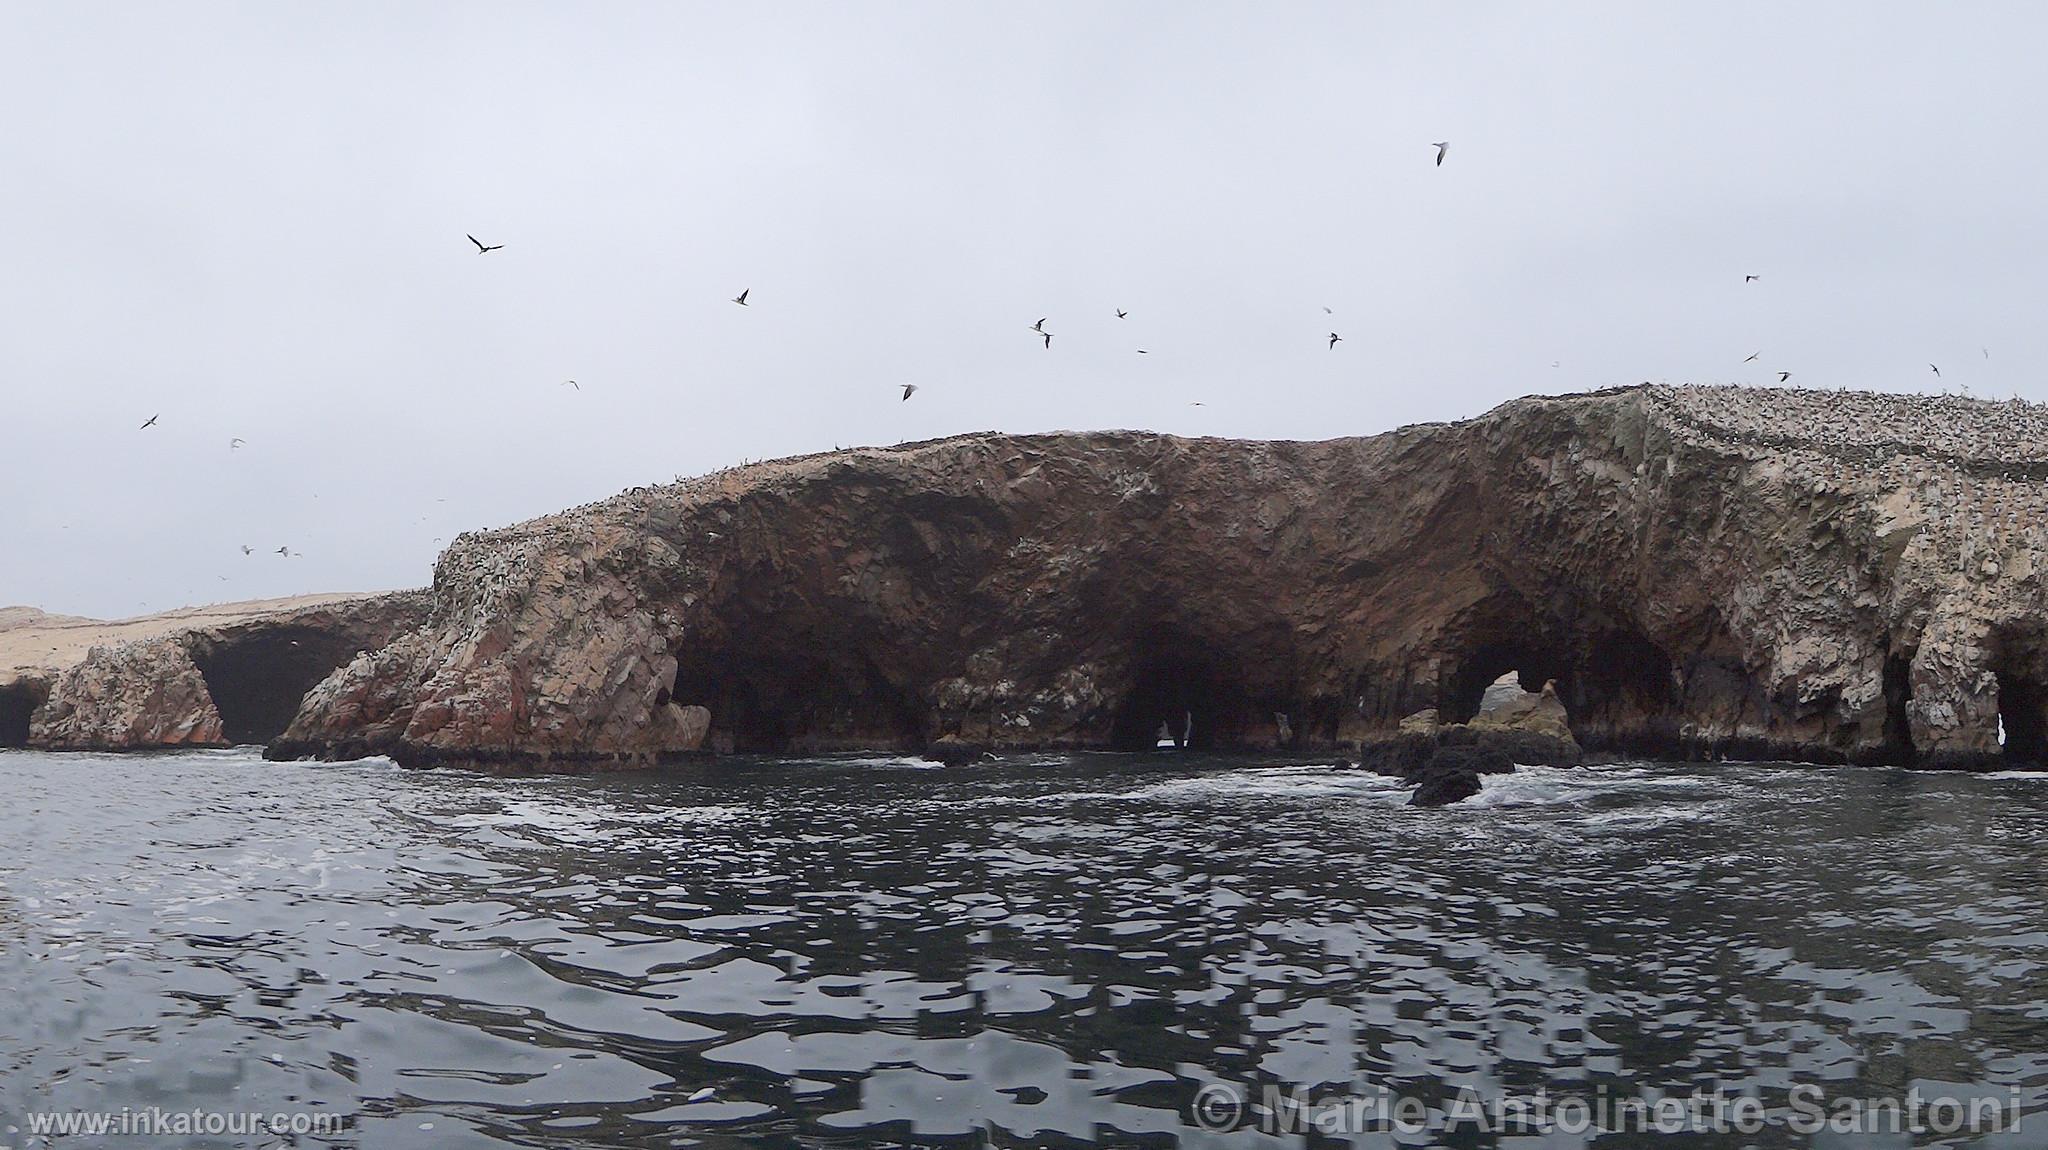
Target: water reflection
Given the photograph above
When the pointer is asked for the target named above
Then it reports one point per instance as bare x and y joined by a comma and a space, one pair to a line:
1057, 952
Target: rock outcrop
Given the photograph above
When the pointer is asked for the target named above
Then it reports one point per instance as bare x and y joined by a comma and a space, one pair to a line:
239, 681
1701, 571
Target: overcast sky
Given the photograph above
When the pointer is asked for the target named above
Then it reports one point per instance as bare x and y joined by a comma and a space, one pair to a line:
250, 219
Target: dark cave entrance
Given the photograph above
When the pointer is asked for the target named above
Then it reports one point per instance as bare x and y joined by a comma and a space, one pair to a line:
18, 702
2023, 719
1898, 698
773, 703
1184, 686
1533, 664
258, 678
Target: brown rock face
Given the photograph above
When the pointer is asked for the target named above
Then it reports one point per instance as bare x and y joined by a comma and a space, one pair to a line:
142, 694
1821, 576
211, 686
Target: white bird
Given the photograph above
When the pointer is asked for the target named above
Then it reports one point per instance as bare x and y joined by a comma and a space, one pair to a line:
248, 550
573, 383
481, 248
1441, 147
704, 1095
909, 389
235, 444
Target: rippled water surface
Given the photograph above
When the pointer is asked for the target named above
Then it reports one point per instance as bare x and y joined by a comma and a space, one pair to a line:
1056, 952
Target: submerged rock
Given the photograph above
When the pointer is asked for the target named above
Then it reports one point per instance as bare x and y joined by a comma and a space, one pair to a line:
1442, 786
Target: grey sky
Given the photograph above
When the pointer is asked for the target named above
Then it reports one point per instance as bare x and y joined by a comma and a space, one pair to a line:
250, 218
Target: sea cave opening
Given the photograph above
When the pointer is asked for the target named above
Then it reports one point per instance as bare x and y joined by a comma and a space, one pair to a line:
258, 677
18, 702
2023, 718
1183, 689
1533, 665
776, 702
1898, 699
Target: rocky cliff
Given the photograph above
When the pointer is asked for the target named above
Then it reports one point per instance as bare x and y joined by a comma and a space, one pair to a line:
1701, 571
239, 679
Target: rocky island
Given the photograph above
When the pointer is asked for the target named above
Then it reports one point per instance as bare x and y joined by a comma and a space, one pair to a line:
1696, 571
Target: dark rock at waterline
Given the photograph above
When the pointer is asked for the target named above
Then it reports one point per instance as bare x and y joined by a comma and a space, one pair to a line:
1441, 786
954, 752
1477, 758
1525, 747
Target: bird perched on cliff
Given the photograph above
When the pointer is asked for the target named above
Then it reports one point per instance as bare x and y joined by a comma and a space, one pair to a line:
909, 389
1441, 147
1783, 376
481, 247
151, 422
741, 299
1335, 339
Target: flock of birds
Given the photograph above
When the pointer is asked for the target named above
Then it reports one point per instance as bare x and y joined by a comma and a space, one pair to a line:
1037, 329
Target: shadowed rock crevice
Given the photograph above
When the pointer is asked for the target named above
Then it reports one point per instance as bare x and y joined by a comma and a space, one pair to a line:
778, 703
1185, 686
1898, 703
259, 675
2023, 715
18, 702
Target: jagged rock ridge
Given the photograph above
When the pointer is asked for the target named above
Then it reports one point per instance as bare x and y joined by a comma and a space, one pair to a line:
1702, 571
234, 682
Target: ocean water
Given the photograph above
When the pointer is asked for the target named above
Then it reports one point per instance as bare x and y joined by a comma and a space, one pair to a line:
1064, 951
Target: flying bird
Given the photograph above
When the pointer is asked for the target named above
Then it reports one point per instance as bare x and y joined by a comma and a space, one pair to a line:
1335, 339
909, 389
741, 299
481, 247
1746, 279
1039, 327
574, 384
285, 551
150, 424
1441, 147
1751, 357
1048, 340
1783, 376
248, 550
236, 444
1121, 313
1142, 351
1935, 370
1327, 311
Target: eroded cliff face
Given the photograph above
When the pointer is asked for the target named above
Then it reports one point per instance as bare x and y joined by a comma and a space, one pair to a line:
1819, 576
210, 686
